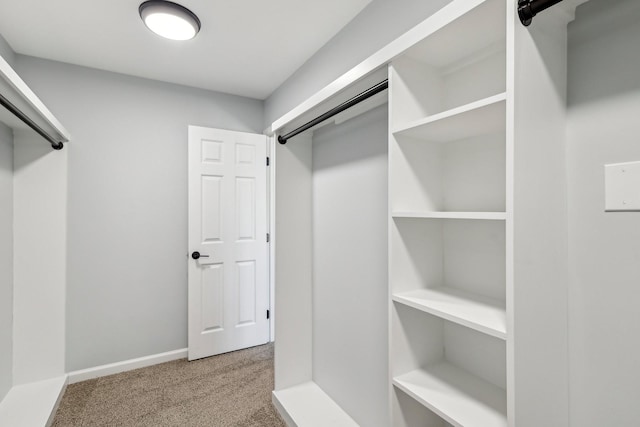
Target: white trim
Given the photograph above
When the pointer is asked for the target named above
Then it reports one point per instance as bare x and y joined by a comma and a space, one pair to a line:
56, 405
308, 405
282, 411
32, 404
491, 216
125, 365
271, 209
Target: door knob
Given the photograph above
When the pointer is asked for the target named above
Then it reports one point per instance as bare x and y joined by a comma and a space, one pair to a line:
196, 255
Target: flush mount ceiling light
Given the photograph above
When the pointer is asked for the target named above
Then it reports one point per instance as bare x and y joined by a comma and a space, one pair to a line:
169, 20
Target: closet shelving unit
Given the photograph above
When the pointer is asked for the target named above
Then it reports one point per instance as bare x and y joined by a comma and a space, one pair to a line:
447, 196
477, 224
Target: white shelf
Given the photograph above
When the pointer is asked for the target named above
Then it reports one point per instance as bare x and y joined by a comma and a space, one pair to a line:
479, 313
482, 117
495, 216
33, 404
306, 405
460, 398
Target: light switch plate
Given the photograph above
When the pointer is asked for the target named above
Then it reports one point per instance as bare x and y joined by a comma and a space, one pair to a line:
622, 187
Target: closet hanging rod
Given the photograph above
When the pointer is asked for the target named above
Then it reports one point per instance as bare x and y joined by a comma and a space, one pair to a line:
527, 9
383, 85
56, 145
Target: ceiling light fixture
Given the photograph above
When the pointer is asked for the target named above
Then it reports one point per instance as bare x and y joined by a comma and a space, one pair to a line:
169, 20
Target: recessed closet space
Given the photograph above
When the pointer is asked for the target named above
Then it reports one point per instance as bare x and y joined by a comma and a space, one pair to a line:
477, 222
33, 221
350, 265
339, 172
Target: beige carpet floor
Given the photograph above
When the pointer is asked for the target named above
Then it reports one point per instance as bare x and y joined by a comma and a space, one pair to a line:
232, 389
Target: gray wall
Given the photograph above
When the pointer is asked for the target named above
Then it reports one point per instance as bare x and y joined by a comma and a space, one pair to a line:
127, 207
377, 25
6, 244
604, 248
6, 259
6, 52
350, 265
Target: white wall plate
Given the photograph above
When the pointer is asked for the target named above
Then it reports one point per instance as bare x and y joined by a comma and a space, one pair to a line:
622, 187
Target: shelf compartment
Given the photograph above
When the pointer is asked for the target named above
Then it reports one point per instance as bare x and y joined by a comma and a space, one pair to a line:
490, 216
467, 175
481, 117
420, 339
457, 396
461, 254
481, 314
447, 70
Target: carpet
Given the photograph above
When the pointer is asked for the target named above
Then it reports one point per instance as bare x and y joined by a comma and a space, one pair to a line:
232, 389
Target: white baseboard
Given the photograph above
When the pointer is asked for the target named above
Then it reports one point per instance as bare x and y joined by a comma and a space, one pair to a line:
32, 404
284, 414
126, 365
308, 405
63, 388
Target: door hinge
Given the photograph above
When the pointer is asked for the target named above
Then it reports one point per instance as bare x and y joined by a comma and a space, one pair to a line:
268, 238
268, 314
267, 161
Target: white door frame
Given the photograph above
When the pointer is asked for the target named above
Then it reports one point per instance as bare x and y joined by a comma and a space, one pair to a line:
271, 229
223, 343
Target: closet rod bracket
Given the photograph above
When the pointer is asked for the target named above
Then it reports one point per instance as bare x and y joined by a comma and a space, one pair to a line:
528, 9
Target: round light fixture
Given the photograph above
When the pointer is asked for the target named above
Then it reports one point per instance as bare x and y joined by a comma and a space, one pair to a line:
169, 20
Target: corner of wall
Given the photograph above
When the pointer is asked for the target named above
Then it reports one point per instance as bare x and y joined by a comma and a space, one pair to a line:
6, 260
6, 51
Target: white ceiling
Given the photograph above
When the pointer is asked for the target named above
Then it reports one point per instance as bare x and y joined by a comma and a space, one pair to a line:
245, 47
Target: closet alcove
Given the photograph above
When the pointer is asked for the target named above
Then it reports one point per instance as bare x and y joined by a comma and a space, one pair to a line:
33, 243
331, 264
476, 308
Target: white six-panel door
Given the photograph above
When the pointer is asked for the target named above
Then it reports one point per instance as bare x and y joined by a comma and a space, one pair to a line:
228, 283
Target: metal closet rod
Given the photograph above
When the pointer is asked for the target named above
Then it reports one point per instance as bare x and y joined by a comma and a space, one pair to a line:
527, 9
383, 85
56, 145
